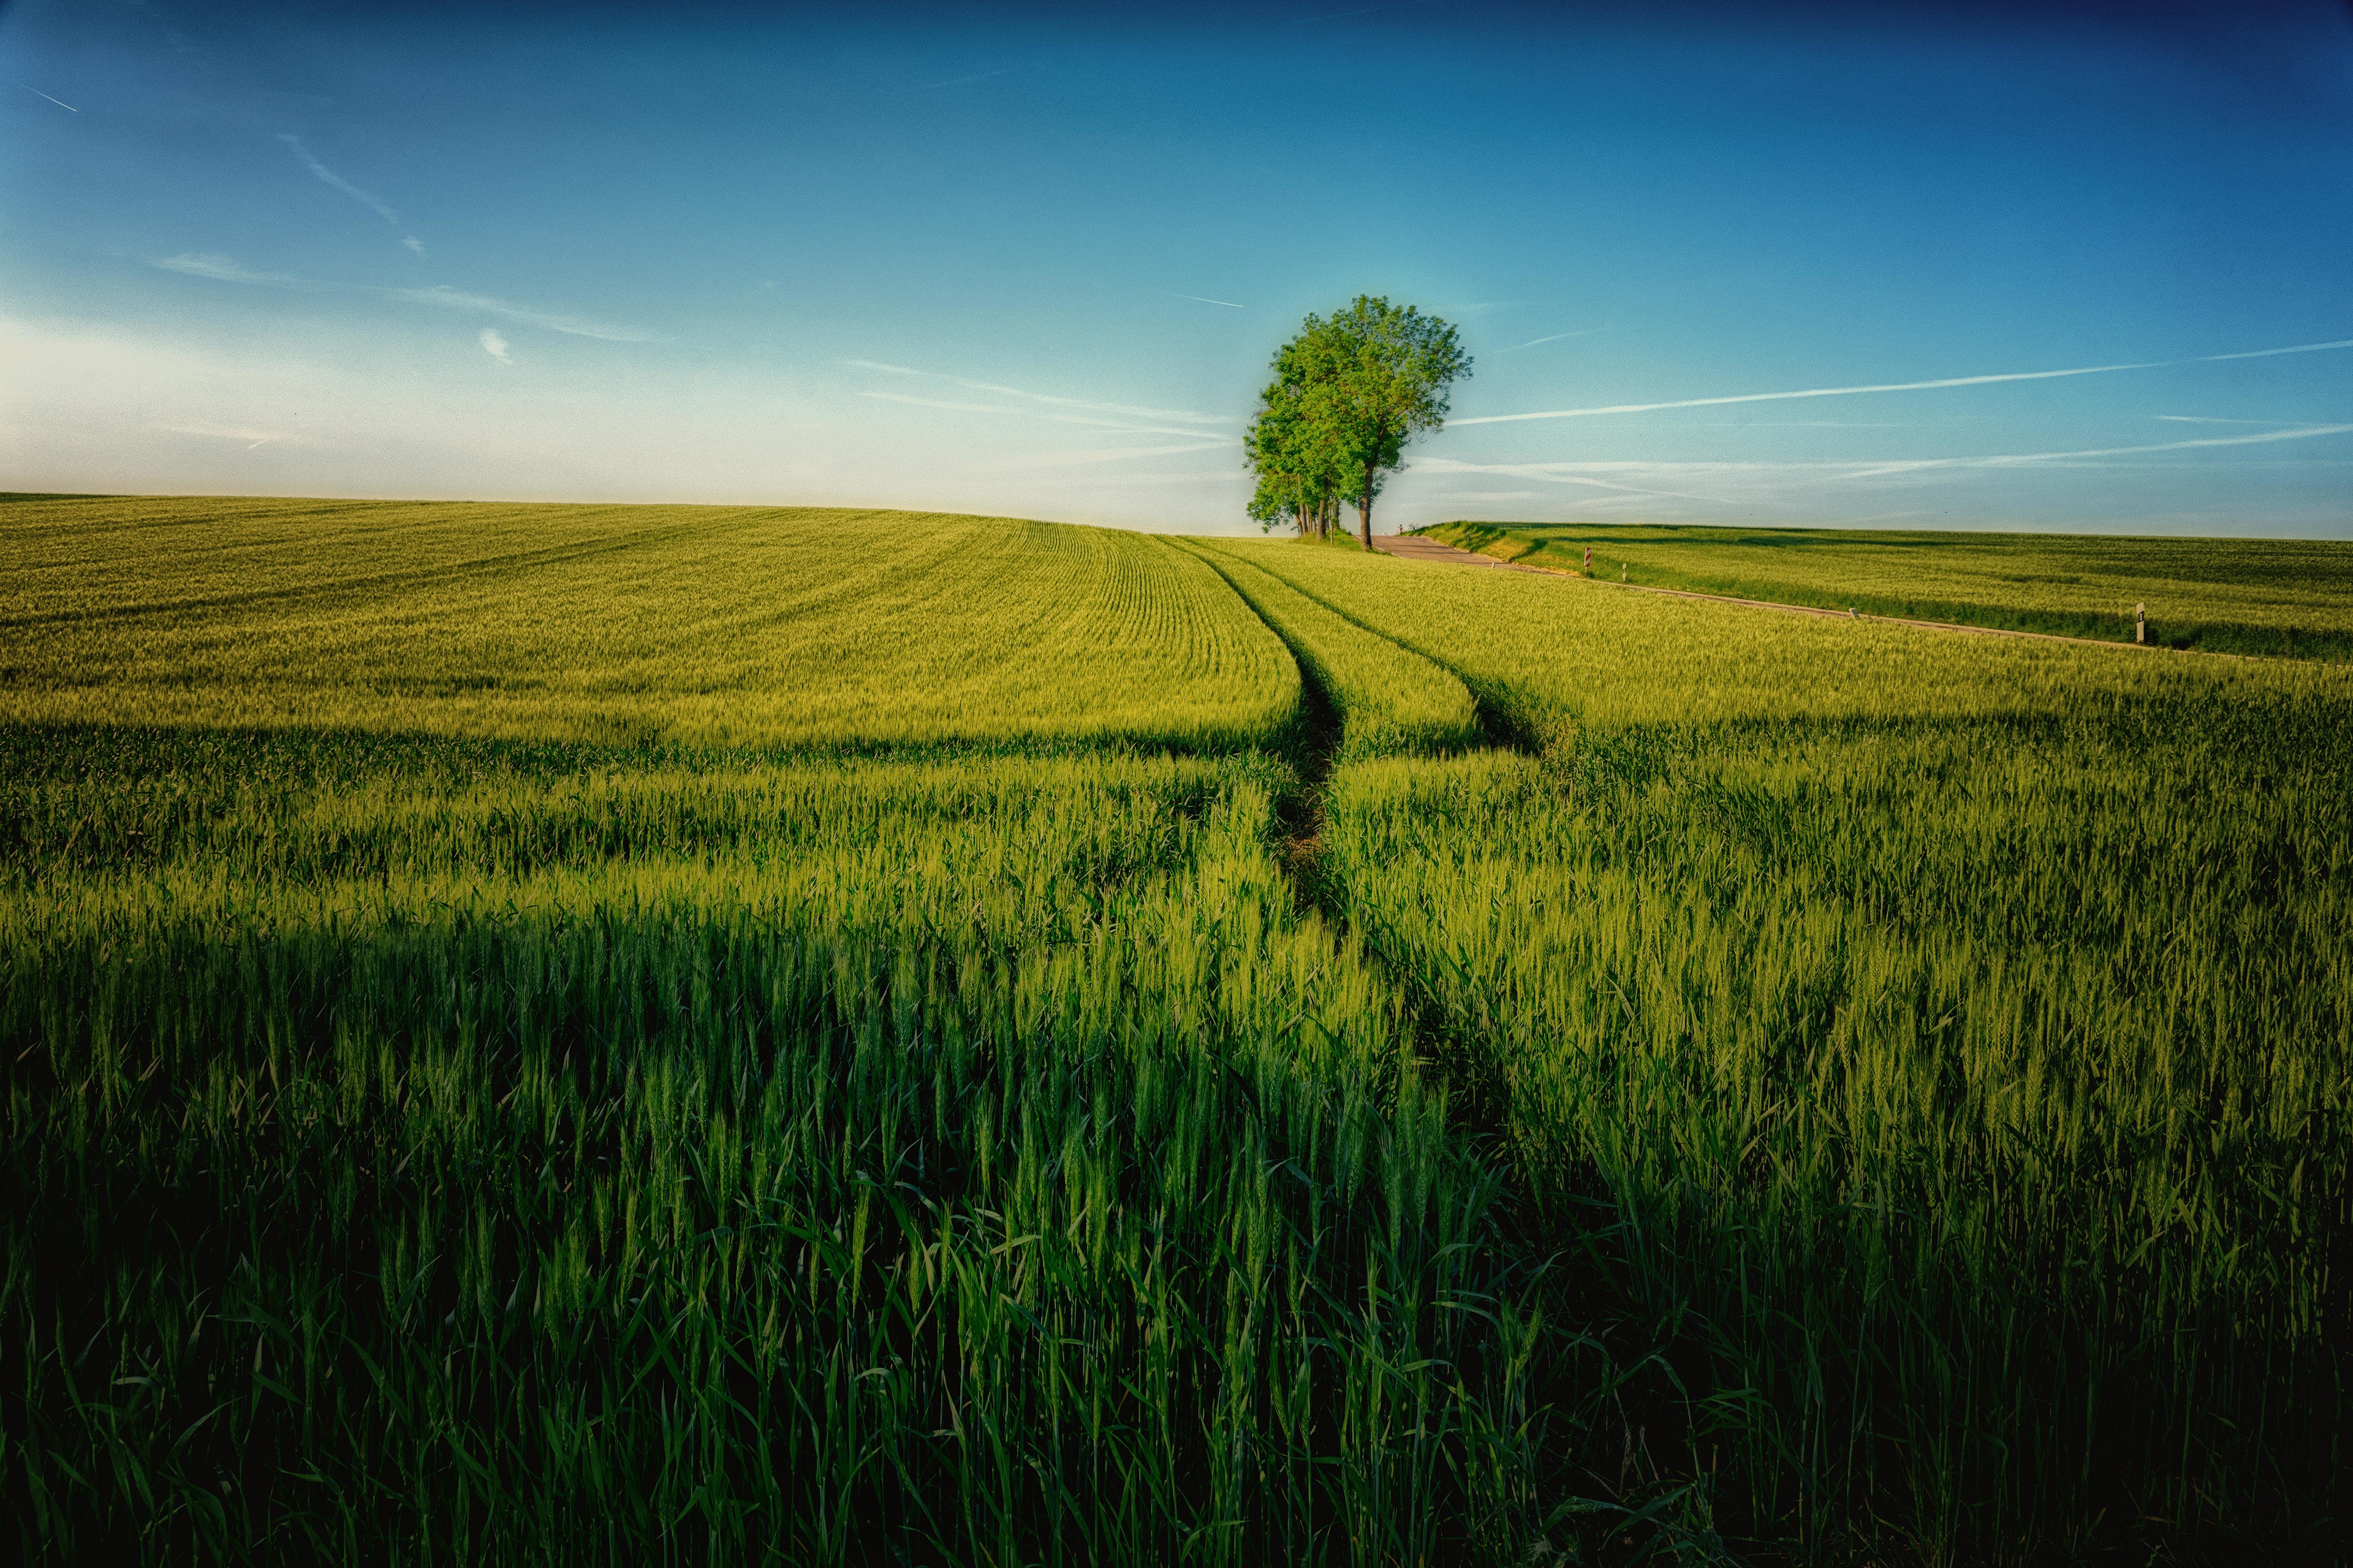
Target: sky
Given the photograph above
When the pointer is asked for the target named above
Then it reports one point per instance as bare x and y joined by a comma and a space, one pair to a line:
1986, 267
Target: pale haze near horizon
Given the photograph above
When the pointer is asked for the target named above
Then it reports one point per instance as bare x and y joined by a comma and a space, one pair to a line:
1036, 265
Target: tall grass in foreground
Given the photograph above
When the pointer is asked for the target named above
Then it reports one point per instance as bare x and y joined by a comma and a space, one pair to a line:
972, 1163
1963, 1065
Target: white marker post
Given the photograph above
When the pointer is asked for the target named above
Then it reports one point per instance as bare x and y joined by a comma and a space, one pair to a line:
2140, 623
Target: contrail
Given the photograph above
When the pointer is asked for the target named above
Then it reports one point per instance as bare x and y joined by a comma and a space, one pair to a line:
960, 81
352, 191
1903, 385
1876, 470
60, 102
1582, 333
1199, 300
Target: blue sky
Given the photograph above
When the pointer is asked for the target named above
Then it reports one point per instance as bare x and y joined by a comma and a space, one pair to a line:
1034, 262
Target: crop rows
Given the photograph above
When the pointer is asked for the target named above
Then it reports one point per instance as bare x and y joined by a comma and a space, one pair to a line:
1389, 699
702, 627
587, 1033
978, 1162
1956, 1030
2272, 596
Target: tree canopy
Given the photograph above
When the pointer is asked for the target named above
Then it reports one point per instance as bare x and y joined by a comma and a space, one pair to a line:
1348, 393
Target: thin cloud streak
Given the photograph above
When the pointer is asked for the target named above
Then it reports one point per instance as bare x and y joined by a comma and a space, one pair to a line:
1581, 332
251, 438
1902, 385
2018, 458
961, 80
943, 403
1831, 471
1768, 483
1202, 299
1122, 428
225, 269
1133, 411
1360, 11
1568, 474
60, 102
1111, 454
352, 191
451, 298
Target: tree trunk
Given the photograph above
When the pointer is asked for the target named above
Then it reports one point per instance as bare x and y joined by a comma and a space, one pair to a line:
1365, 512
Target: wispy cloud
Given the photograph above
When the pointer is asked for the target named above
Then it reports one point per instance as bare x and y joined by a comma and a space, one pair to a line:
942, 403
2015, 460
1359, 11
251, 438
493, 344
60, 102
451, 298
1581, 332
1128, 410
1199, 298
225, 269
1573, 474
1120, 426
352, 191
962, 81
1110, 455
1903, 385
1771, 483
180, 41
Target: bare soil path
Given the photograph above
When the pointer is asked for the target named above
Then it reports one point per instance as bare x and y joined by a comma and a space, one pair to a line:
1406, 547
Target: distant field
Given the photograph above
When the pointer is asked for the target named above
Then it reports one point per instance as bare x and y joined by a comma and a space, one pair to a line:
2278, 596
695, 625
638, 1034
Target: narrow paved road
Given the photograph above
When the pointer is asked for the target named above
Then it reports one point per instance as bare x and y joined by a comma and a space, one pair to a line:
1405, 547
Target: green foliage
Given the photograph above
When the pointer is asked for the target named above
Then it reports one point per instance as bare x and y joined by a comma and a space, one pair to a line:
1349, 392
2279, 597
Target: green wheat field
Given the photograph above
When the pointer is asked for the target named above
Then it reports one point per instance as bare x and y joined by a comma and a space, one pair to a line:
2280, 597
648, 1035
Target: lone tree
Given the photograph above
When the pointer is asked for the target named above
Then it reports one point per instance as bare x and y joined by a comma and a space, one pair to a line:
1348, 394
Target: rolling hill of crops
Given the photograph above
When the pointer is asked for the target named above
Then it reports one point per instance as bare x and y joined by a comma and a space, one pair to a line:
2274, 597
705, 626
596, 1034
